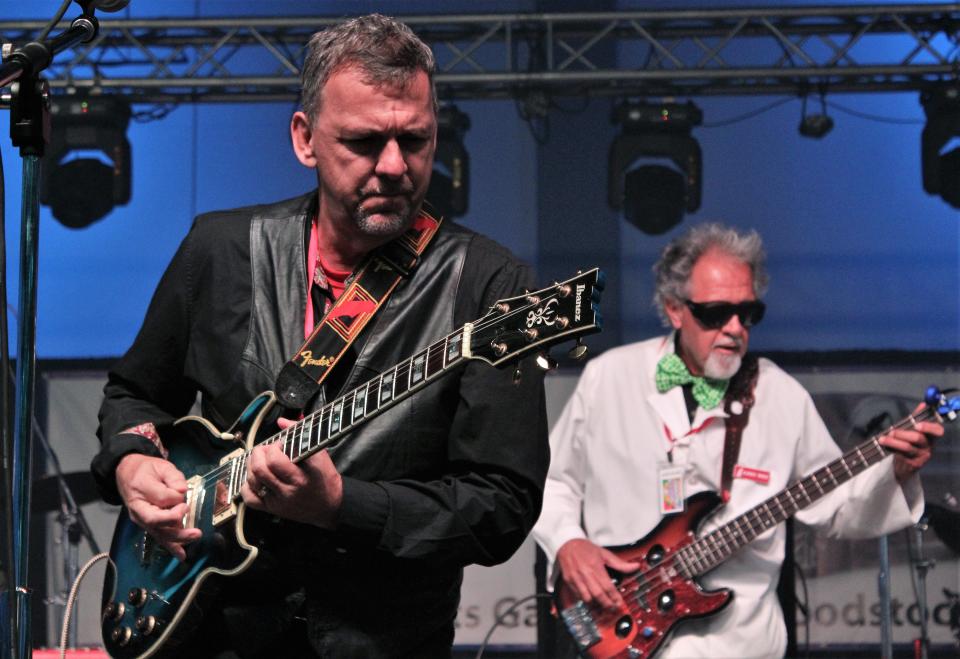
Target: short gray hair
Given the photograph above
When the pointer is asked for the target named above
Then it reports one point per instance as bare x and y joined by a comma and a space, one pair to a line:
384, 49
672, 271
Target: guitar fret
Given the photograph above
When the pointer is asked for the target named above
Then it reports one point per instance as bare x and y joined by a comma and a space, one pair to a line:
850, 473
418, 369
323, 435
305, 440
863, 460
697, 562
813, 480
793, 502
336, 414
359, 403
386, 386
438, 354
454, 348
745, 529
402, 383
373, 395
346, 415
833, 478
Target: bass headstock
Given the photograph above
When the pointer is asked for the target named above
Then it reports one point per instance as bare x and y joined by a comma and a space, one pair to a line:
535, 321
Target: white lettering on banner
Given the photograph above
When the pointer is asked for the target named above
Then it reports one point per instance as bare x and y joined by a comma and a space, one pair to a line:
489, 592
844, 608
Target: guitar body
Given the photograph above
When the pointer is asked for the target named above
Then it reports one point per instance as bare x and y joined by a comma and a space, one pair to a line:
654, 606
151, 602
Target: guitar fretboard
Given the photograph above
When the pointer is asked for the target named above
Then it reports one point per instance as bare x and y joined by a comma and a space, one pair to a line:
327, 425
707, 552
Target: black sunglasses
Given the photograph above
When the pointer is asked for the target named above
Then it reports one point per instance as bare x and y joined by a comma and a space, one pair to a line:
714, 315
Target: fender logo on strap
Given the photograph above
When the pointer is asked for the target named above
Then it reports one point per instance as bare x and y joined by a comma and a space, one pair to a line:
307, 359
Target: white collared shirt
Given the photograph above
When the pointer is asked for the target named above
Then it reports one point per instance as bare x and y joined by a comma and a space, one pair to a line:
615, 434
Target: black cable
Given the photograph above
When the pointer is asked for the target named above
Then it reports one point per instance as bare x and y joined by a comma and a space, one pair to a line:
56, 19
751, 114
6, 425
805, 607
503, 616
874, 117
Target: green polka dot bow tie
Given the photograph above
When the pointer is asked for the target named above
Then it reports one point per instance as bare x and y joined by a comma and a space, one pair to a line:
672, 372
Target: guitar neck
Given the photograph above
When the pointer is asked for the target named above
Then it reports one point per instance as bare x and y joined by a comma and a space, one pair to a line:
329, 424
711, 550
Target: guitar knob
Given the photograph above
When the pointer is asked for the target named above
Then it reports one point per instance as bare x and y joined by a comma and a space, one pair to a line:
114, 610
146, 625
121, 635
137, 596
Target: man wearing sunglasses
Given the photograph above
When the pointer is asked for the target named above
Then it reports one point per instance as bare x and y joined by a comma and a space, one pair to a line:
646, 428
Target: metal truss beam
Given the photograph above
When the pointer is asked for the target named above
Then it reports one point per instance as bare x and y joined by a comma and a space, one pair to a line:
638, 53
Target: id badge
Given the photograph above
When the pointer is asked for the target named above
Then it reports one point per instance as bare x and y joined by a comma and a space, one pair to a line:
670, 486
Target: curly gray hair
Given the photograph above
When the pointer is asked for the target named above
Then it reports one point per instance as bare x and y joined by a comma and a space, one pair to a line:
386, 50
672, 271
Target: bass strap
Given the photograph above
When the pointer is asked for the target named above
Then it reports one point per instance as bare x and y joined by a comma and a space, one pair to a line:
368, 289
737, 403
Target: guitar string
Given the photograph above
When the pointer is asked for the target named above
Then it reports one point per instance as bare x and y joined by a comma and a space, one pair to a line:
212, 477
640, 578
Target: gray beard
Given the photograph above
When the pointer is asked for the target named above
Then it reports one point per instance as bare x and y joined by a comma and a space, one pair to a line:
719, 367
397, 223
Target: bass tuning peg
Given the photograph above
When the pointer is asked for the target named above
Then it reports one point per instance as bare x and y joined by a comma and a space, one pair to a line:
579, 351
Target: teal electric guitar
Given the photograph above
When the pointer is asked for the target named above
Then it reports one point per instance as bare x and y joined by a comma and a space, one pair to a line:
152, 602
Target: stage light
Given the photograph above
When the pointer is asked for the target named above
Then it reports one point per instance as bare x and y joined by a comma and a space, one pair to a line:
815, 125
449, 189
940, 167
86, 169
654, 195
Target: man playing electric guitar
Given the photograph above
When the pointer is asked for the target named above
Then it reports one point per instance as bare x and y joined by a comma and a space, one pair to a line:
361, 548
645, 430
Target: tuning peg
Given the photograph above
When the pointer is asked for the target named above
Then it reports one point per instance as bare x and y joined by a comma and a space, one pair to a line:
517, 375
546, 362
578, 351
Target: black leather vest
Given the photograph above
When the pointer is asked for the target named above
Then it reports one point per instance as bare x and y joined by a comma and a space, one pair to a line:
407, 440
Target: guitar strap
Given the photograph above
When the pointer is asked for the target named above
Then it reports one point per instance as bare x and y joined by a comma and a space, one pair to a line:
737, 403
369, 287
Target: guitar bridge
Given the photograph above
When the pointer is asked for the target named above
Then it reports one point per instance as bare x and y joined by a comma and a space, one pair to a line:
581, 625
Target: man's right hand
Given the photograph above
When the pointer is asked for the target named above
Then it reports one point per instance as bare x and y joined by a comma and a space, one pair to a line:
154, 491
583, 566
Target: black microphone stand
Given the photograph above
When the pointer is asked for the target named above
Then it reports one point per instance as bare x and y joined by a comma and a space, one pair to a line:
29, 130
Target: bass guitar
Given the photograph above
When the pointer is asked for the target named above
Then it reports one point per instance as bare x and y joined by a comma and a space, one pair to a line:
664, 591
149, 596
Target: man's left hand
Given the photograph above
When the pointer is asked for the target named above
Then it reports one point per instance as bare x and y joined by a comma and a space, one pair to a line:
310, 491
911, 445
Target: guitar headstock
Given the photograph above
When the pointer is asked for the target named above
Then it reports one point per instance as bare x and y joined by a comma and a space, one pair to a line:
946, 408
534, 321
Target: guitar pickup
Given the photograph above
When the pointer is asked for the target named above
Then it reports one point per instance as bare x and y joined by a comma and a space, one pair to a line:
194, 499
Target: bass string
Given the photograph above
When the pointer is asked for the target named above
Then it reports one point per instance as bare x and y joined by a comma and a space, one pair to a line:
640, 578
